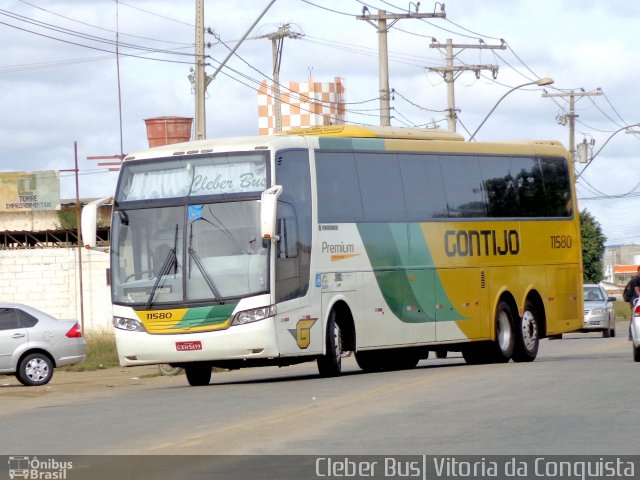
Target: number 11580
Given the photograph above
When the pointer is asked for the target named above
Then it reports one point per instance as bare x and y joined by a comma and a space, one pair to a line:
561, 241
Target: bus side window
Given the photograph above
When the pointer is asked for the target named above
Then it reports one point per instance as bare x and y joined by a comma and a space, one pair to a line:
287, 231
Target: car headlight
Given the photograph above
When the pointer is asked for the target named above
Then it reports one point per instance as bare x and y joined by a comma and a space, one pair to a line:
253, 315
598, 311
129, 324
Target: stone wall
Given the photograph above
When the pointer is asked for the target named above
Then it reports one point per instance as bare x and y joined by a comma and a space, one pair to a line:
48, 279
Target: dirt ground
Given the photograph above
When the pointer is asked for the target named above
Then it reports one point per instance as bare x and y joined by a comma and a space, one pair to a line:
66, 386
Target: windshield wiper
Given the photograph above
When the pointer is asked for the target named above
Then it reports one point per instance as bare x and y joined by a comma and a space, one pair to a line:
171, 260
223, 228
205, 274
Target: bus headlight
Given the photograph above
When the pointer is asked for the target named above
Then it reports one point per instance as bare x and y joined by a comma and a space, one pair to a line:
129, 324
253, 315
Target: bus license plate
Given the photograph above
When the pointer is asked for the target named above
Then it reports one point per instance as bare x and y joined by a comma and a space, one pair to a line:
188, 346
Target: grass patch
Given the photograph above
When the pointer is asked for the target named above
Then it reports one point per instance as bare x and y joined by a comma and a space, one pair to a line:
101, 352
622, 308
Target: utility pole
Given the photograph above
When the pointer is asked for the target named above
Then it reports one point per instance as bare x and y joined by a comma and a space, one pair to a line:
199, 79
379, 21
78, 233
571, 117
449, 76
277, 42
199, 74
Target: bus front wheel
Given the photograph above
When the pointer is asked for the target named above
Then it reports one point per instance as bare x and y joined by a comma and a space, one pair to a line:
330, 364
198, 375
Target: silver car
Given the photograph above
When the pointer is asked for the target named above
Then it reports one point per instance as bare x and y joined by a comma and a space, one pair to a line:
33, 343
599, 313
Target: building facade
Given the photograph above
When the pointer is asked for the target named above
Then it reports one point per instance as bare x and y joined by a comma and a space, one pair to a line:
303, 104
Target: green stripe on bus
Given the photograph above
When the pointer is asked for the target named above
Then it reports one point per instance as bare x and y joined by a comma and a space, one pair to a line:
206, 316
410, 293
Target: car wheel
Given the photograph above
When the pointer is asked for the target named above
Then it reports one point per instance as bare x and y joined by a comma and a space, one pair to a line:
35, 369
168, 370
636, 352
612, 330
606, 333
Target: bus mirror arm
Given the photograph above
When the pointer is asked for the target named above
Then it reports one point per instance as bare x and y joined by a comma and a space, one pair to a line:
268, 210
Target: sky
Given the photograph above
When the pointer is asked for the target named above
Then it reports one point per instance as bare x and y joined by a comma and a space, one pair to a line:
61, 81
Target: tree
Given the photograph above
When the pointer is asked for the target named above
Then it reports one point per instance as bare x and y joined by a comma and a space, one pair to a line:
592, 248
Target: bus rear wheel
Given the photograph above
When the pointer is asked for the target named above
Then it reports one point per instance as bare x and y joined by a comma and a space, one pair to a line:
198, 375
330, 364
527, 335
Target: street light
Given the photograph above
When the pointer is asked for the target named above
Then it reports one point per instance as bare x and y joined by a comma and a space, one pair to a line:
540, 83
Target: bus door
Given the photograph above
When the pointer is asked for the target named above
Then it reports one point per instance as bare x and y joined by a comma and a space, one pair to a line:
298, 325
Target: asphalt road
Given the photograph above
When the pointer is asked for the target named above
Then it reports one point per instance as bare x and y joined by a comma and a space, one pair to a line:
578, 397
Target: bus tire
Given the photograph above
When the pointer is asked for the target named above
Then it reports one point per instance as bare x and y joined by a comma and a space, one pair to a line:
198, 375
478, 353
330, 364
504, 342
371, 361
499, 350
527, 335
403, 359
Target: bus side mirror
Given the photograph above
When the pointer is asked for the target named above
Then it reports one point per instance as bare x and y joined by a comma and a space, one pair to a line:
89, 221
268, 208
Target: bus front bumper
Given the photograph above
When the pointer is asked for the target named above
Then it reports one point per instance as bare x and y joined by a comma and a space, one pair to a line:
253, 340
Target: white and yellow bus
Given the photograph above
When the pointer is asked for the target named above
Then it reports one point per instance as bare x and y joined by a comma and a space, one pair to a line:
385, 242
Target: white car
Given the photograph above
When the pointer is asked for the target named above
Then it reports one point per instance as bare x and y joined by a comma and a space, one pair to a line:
33, 343
599, 312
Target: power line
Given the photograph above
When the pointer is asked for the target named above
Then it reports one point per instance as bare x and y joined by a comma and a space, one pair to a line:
157, 14
98, 27
69, 42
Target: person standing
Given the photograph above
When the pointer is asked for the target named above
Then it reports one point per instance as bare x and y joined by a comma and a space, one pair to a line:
635, 283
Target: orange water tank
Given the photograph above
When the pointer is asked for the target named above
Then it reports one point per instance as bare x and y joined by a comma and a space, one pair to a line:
166, 130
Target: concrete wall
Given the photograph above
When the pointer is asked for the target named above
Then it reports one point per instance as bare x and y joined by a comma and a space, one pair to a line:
48, 279
36, 221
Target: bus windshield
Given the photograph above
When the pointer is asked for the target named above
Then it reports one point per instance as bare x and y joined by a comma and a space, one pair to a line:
218, 255
188, 230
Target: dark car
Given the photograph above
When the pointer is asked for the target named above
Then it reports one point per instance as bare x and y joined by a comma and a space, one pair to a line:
33, 343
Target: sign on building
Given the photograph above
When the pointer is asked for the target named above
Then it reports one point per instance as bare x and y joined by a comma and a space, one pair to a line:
29, 191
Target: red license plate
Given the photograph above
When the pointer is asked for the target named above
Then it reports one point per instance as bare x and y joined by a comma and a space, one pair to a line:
188, 346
